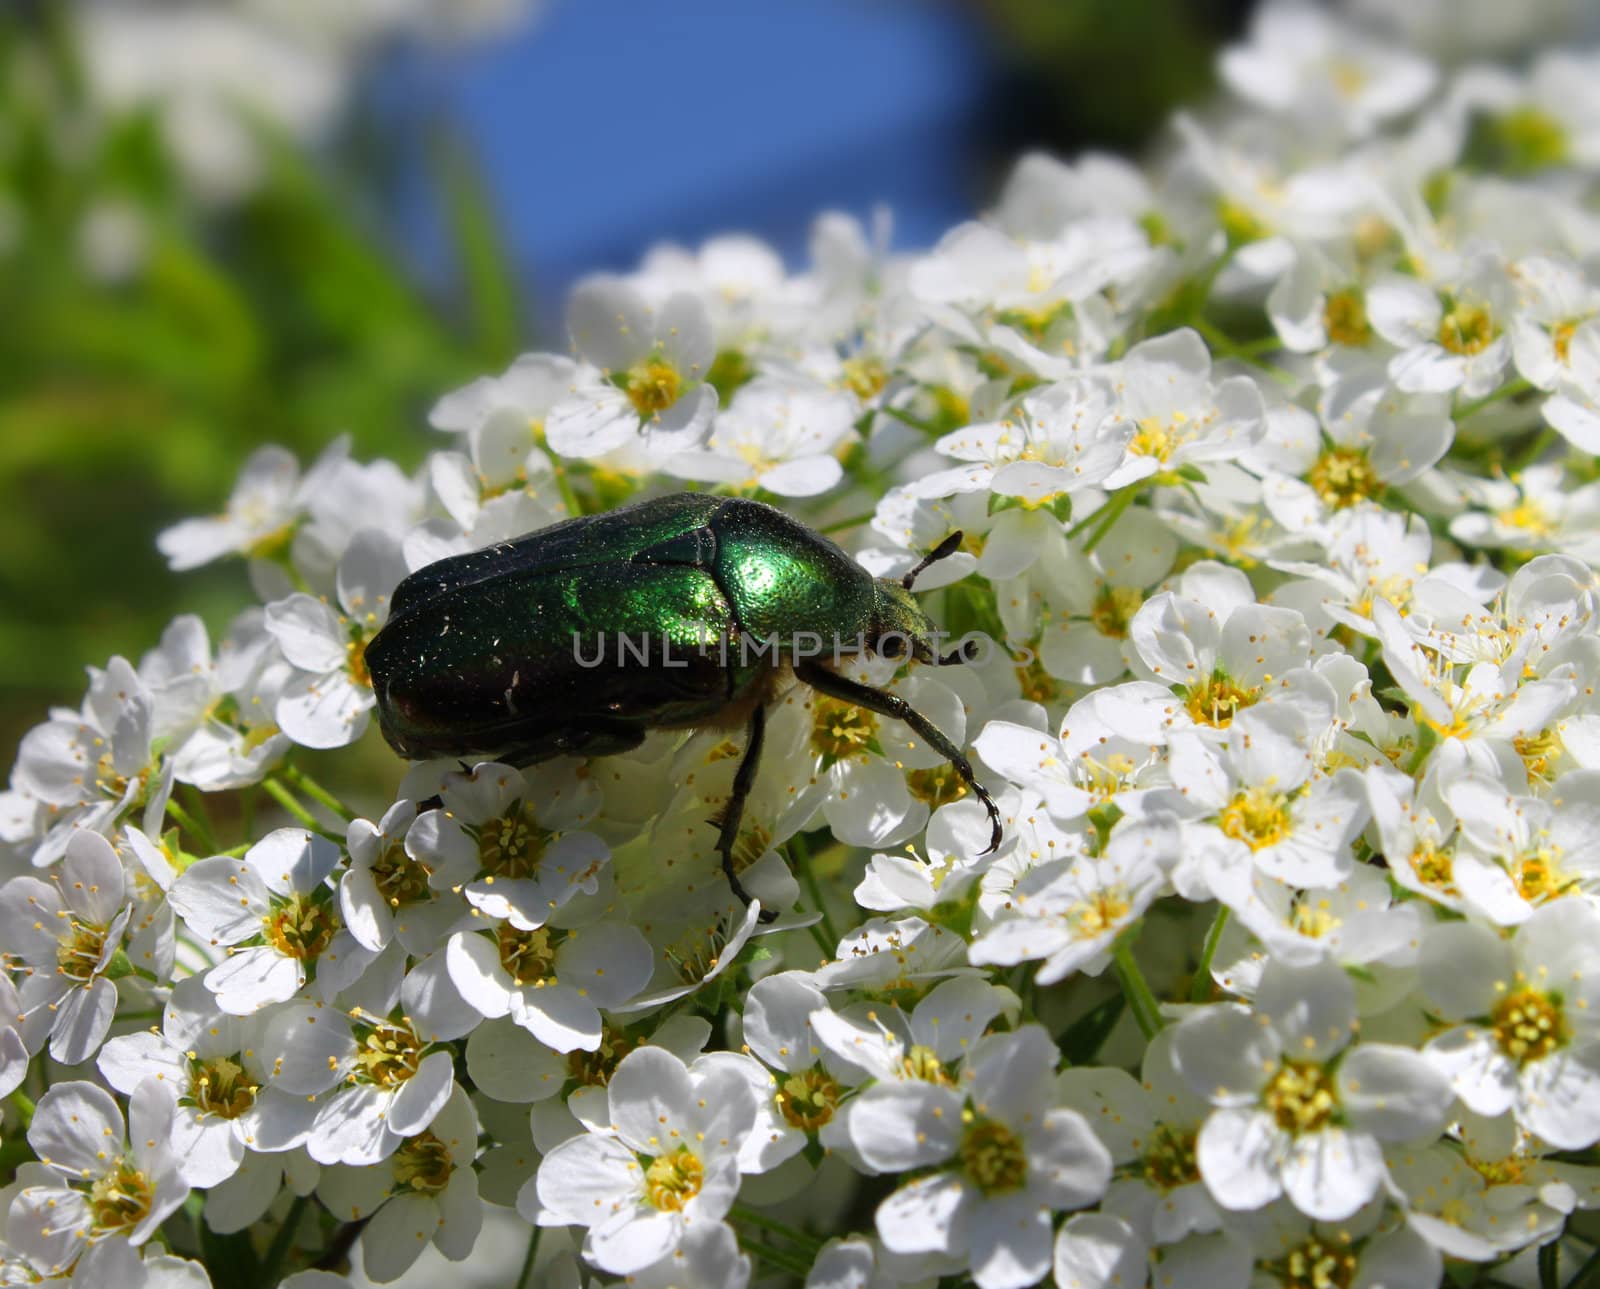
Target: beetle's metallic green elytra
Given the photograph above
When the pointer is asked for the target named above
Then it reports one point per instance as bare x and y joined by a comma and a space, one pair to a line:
503, 652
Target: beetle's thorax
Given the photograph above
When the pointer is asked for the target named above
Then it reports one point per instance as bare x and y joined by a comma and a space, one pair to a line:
899, 624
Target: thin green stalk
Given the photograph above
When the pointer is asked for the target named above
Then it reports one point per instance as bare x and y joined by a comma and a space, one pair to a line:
1146, 1011
1587, 1273
281, 794
777, 1259
24, 1106
1200, 986
809, 1243
800, 857
905, 418
1509, 390
194, 827
279, 1247
1119, 500
841, 525
1119, 503
529, 1258
1550, 1265
306, 784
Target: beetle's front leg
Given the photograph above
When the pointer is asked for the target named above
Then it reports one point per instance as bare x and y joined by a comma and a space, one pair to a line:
743, 780
896, 708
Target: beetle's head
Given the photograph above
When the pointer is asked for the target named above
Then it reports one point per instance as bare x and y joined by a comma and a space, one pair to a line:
899, 623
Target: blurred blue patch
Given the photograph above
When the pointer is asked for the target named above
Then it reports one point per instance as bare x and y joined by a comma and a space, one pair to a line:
609, 125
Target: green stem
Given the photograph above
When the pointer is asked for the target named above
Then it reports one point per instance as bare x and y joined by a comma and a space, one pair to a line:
768, 1256
809, 1243
281, 794
24, 1107
842, 525
279, 1247
529, 1258
194, 827
800, 857
1119, 503
1550, 1265
905, 418
1509, 390
1146, 1011
1200, 986
1120, 500
1536, 448
1587, 1273
306, 784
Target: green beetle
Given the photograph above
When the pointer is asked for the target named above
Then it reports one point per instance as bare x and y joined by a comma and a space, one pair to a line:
678, 612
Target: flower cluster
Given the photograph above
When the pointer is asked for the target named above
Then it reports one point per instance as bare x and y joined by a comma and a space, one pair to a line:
1274, 469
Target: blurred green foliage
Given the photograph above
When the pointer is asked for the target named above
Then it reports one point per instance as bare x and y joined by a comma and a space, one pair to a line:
126, 404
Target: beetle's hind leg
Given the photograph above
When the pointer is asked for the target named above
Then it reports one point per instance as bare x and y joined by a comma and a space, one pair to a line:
733, 814
893, 706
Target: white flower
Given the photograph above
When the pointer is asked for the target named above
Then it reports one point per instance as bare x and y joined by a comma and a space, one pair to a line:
427, 1191
66, 932
1529, 1044
1012, 1156
1058, 442
552, 982
328, 705
1180, 415
652, 367
1451, 335
778, 434
206, 1062
276, 914
1295, 1112
97, 1178
671, 1164
509, 839
94, 765
1069, 911
268, 501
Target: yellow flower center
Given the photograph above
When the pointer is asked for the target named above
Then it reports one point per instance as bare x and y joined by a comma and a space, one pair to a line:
301, 926
993, 1158
1466, 327
1530, 516
1239, 223
1345, 318
1434, 867
422, 1165
1217, 700
920, 1063
1529, 1024
1037, 684
1316, 1265
78, 954
653, 387
1529, 139
671, 1181
1538, 752
594, 1069
1344, 476
1159, 440
1300, 1097
399, 878
1539, 876
1169, 1161
1102, 912
938, 786
841, 730
807, 1100
1258, 817
120, 1198
513, 845
219, 1086
1313, 917
355, 662
1561, 339
529, 957
1113, 610
865, 376
387, 1054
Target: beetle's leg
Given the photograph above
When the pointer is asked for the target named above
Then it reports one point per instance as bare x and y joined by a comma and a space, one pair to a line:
743, 780
893, 706
966, 651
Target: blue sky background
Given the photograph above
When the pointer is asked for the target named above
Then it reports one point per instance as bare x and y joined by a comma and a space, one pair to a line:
608, 125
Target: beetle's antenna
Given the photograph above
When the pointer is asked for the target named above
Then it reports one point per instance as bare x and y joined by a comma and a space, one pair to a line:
943, 550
